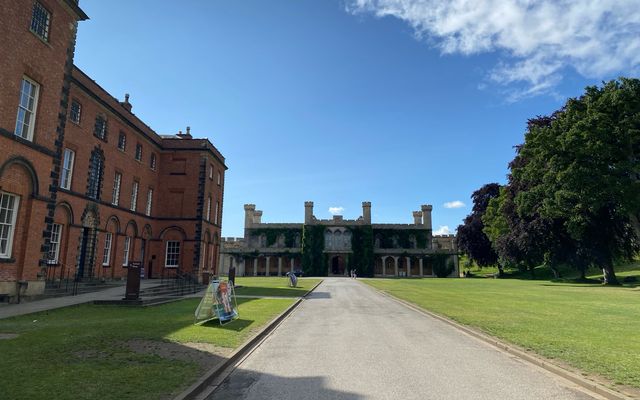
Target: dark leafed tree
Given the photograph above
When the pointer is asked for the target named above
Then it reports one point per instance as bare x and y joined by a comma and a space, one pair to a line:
471, 238
582, 169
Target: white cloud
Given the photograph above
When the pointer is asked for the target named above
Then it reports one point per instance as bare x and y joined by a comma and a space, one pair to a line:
535, 39
454, 204
336, 210
442, 230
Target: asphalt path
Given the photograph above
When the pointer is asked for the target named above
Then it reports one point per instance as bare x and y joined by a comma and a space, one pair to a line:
346, 341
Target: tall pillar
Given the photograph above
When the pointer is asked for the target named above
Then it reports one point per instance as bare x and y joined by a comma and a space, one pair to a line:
308, 212
426, 215
366, 212
417, 217
395, 262
248, 215
279, 266
291, 263
408, 266
384, 265
242, 271
255, 266
421, 268
266, 273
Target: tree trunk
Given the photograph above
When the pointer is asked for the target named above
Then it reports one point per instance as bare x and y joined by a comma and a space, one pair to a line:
556, 272
500, 272
609, 274
583, 274
532, 270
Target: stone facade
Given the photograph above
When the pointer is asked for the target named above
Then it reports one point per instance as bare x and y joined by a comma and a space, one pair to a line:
333, 247
86, 185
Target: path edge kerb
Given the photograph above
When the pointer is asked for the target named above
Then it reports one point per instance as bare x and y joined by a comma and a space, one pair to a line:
511, 349
210, 376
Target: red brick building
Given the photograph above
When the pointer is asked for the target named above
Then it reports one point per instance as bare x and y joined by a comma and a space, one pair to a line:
85, 186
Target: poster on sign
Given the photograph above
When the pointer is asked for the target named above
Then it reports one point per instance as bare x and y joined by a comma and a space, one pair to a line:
218, 302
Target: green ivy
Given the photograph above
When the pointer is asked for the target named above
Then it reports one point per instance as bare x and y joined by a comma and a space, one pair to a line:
362, 246
272, 235
386, 238
314, 261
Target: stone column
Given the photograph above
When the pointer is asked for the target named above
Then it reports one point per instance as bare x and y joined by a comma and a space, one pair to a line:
421, 268
242, 271
384, 265
279, 266
255, 266
395, 262
291, 264
266, 273
408, 266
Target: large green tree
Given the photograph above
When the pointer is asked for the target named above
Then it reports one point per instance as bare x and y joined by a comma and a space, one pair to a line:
582, 169
471, 238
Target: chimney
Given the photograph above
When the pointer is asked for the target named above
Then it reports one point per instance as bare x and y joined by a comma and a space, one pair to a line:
248, 215
126, 103
426, 215
366, 212
417, 217
308, 212
185, 135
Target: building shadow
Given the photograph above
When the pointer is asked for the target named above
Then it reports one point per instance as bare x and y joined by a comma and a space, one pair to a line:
255, 385
319, 295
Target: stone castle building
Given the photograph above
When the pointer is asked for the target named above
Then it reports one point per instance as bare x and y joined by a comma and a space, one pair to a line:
86, 186
333, 247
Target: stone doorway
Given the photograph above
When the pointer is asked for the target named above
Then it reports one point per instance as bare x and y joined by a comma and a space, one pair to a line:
337, 265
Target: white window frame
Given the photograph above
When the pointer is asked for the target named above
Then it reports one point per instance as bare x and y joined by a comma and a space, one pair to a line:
8, 225
147, 209
175, 244
211, 171
115, 193
209, 208
134, 195
126, 248
106, 252
102, 134
153, 162
29, 109
219, 178
54, 243
67, 170
217, 212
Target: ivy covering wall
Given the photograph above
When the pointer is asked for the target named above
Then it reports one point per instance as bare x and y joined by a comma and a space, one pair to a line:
362, 246
314, 262
272, 235
403, 237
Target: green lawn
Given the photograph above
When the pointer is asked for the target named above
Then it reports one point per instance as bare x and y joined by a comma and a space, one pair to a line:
273, 286
591, 327
107, 352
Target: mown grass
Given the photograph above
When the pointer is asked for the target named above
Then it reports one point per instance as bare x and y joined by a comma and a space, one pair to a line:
81, 352
273, 286
591, 327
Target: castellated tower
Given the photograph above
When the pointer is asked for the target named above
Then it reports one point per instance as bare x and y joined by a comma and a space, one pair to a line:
308, 212
426, 215
366, 212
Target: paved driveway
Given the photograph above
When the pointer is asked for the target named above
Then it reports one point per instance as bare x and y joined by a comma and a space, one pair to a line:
348, 342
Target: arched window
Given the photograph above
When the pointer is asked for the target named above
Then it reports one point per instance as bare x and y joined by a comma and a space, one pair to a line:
96, 170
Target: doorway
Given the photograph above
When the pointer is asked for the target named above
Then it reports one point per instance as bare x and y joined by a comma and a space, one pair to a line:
337, 265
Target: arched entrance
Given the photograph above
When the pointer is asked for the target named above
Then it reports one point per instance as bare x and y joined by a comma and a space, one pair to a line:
337, 265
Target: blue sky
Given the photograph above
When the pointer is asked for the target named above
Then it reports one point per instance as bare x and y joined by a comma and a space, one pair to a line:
397, 102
